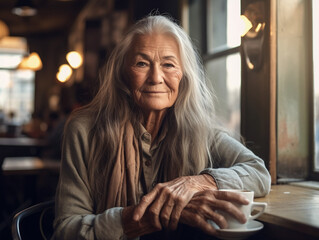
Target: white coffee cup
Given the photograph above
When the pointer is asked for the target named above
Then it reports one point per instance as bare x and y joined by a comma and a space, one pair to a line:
233, 223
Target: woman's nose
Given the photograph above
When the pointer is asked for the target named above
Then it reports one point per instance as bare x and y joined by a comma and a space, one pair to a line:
156, 75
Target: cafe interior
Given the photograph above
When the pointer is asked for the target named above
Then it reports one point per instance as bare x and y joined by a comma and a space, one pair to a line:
261, 58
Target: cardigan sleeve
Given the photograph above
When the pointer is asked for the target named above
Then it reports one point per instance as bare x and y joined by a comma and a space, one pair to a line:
74, 216
235, 166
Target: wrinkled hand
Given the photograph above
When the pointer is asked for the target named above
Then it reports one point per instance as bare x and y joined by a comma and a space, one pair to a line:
203, 207
165, 203
138, 228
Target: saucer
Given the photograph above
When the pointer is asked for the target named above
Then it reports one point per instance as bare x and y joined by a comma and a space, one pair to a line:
237, 234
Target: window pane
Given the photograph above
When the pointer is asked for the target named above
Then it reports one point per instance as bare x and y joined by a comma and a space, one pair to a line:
222, 24
315, 27
17, 94
293, 65
196, 23
225, 76
12, 50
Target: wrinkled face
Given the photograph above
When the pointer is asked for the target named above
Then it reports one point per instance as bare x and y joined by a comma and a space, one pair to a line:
154, 71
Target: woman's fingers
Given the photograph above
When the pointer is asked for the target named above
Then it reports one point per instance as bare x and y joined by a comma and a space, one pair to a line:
230, 201
164, 195
231, 197
169, 205
166, 201
230, 208
220, 201
133, 228
171, 211
145, 202
166, 212
194, 219
206, 212
176, 214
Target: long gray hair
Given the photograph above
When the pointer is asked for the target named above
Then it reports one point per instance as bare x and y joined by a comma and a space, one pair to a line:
191, 120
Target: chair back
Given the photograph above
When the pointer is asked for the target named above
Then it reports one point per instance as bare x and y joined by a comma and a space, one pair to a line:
35, 222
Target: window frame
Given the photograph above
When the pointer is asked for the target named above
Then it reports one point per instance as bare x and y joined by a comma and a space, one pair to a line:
259, 141
221, 51
313, 174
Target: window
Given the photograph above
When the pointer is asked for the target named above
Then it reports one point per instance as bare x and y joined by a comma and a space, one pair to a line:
17, 94
217, 37
16, 86
278, 118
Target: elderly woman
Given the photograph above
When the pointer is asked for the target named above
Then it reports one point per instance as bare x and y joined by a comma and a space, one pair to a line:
146, 157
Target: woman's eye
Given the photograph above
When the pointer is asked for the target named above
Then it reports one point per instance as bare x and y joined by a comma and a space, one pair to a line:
141, 64
168, 65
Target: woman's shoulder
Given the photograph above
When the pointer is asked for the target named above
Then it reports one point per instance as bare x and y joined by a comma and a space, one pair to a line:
79, 122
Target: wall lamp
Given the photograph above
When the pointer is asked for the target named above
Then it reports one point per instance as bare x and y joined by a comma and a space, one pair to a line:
253, 40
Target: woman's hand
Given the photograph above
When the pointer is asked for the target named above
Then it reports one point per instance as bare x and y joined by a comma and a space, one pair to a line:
141, 227
203, 207
165, 203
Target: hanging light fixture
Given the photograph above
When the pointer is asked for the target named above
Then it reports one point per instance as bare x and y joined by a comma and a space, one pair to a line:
32, 62
24, 8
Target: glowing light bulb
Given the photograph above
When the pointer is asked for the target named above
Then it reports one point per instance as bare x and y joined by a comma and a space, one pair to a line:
64, 73
74, 59
245, 25
34, 62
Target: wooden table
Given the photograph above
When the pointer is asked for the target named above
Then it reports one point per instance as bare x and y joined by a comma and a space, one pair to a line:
21, 141
292, 213
20, 147
29, 165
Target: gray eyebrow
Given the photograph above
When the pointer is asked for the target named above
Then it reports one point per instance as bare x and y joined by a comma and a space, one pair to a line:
170, 57
148, 58
143, 55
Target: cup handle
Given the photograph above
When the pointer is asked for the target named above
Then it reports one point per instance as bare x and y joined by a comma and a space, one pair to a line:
261, 207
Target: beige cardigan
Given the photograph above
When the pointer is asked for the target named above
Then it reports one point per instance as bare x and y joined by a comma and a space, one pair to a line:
235, 167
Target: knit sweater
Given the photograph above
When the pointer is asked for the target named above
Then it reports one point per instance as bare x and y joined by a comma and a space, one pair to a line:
235, 166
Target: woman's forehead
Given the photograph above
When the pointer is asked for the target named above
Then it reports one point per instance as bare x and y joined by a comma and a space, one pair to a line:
164, 43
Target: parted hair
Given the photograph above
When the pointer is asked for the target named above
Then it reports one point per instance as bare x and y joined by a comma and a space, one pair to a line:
191, 120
